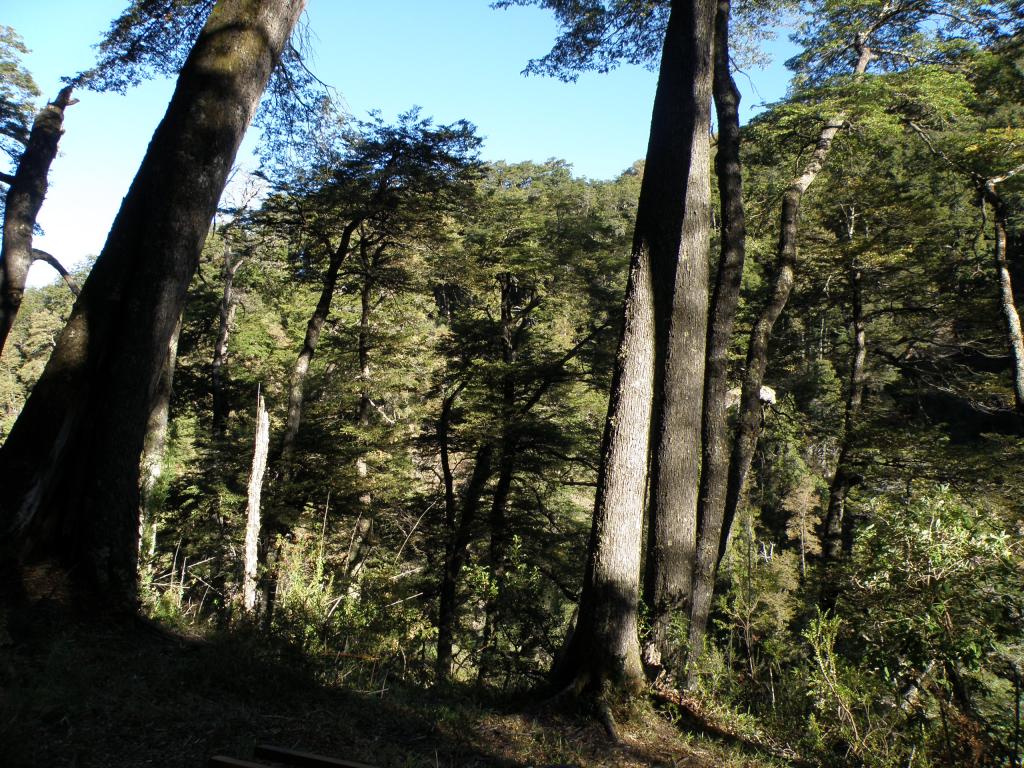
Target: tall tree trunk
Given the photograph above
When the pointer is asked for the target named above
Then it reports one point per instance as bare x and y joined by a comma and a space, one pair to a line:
24, 199
679, 258
155, 446
252, 510
226, 316
1007, 305
296, 388
604, 649
836, 522
715, 427
70, 467
604, 646
749, 422
459, 529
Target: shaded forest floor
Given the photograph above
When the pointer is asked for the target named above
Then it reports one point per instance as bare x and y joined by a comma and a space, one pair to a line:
85, 694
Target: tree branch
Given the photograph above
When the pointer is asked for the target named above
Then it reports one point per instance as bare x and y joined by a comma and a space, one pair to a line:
38, 255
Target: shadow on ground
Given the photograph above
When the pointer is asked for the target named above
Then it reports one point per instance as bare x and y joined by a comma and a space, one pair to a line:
97, 694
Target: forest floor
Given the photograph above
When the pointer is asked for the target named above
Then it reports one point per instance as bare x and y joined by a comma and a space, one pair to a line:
88, 694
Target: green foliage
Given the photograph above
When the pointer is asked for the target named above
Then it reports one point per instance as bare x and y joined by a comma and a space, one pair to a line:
937, 579
18, 94
853, 717
476, 314
599, 35
43, 314
151, 37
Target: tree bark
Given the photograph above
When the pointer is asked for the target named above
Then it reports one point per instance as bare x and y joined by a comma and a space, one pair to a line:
70, 467
24, 199
252, 510
313, 329
603, 650
155, 446
749, 422
679, 241
604, 646
715, 427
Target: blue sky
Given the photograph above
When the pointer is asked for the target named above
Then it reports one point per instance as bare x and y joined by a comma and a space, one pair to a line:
454, 58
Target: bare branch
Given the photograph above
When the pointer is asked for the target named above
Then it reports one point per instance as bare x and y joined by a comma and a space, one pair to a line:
38, 255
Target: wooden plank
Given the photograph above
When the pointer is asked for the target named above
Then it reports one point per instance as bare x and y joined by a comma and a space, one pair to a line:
223, 761
303, 759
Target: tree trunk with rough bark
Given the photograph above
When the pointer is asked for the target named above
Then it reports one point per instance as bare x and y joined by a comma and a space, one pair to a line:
679, 243
715, 426
749, 422
252, 511
70, 467
24, 199
604, 651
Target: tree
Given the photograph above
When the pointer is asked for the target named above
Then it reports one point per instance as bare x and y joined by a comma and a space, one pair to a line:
664, 287
681, 323
836, 521
525, 296
252, 511
33, 151
724, 301
70, 466
18, 93
986, 149
386, 176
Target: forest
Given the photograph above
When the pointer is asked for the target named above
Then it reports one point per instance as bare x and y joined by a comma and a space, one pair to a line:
391, 453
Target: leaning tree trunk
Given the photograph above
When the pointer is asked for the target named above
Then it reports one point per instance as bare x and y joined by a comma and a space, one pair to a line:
252, 511
24, 199
749, 422
70, 467
296, 388
715, 427
604, 650
154, 447
679, 243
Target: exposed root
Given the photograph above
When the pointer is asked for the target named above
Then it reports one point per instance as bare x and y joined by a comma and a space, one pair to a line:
576, 693
695, 716
604, 714
570, 692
